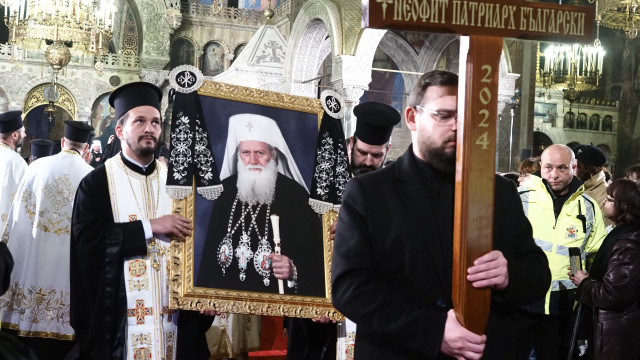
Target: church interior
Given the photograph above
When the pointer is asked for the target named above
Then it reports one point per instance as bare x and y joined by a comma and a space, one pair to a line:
304, 47
61, 59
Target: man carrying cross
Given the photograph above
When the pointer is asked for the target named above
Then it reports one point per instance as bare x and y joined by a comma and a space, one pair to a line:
393, 278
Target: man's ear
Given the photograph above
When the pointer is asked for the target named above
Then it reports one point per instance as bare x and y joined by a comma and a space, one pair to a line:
410, 118
119, 132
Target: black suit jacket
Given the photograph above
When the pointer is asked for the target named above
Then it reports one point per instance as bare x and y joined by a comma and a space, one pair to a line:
391, 270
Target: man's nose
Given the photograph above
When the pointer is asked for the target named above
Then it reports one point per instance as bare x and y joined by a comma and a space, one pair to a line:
368, 160
253, 159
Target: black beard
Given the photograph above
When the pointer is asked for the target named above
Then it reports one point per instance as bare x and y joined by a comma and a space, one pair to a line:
440, 160
360, 169
144, 151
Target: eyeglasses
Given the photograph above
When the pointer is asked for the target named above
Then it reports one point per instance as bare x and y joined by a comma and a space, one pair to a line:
441, 117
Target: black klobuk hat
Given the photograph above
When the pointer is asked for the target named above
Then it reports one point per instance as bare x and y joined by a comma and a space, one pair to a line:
135, 94
10, 121
77, 131
375, 122
41, 148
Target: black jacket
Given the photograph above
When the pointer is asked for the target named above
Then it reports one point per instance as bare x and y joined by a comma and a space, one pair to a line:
391, 269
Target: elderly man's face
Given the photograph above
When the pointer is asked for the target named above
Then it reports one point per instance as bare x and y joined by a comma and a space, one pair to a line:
254, 154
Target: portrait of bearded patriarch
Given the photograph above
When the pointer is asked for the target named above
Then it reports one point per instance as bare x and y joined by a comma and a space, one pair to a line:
260, 179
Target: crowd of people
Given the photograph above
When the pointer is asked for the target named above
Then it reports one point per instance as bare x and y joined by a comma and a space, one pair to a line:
84, 232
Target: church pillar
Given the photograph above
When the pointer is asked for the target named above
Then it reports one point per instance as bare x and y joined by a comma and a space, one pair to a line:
351, 79
158, 23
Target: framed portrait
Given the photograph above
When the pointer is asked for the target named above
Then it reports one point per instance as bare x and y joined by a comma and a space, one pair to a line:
264, 147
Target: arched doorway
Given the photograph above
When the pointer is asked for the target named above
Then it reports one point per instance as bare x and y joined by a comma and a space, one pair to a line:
541, 141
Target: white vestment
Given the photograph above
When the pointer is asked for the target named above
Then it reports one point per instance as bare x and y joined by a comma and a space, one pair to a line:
38, 229
346, 340
151, 333
233, 334
12, 169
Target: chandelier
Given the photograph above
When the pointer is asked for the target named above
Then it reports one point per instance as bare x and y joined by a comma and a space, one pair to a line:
575, 66
84, 25
618, 15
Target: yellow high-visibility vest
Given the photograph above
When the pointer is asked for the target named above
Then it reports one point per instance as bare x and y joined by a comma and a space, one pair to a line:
580, 224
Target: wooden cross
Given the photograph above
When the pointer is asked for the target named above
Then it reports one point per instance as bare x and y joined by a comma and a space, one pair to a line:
139, 312
479, 66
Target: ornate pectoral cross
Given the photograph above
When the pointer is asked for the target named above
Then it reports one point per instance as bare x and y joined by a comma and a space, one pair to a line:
155, 252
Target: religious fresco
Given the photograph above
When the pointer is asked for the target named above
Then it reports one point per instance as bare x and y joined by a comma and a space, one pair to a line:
213, 59
103, 119
183, 52
258, 4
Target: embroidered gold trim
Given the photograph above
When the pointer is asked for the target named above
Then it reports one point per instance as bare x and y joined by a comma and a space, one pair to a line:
37, 305
40, 334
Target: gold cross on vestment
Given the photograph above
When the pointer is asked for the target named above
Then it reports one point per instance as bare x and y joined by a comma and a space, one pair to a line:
137, 267
155, 252
139, 312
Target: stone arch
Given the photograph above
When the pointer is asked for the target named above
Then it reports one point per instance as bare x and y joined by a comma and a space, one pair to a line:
403, 54
432, 50
305, 66
35, 98
541, 140
79, 98
316, 19
176, 55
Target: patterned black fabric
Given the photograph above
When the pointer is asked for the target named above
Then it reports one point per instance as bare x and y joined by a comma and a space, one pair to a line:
190, 153
331, 170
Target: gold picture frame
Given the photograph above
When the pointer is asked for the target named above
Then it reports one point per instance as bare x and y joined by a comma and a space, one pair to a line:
218, 100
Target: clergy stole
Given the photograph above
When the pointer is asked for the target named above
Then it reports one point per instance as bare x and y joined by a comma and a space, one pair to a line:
151, 334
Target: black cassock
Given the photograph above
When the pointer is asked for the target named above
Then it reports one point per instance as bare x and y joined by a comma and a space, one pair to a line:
99, 246
300, 232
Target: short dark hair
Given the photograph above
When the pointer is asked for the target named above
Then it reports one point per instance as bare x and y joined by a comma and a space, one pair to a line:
633, 169
431, 78
626, 200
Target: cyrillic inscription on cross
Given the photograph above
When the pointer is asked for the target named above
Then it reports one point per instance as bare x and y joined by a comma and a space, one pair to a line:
478, 102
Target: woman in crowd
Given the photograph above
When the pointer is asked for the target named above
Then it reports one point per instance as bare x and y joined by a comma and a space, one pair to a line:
527, 167
611, 289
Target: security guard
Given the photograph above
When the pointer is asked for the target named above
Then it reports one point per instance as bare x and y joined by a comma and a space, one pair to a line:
562, 216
